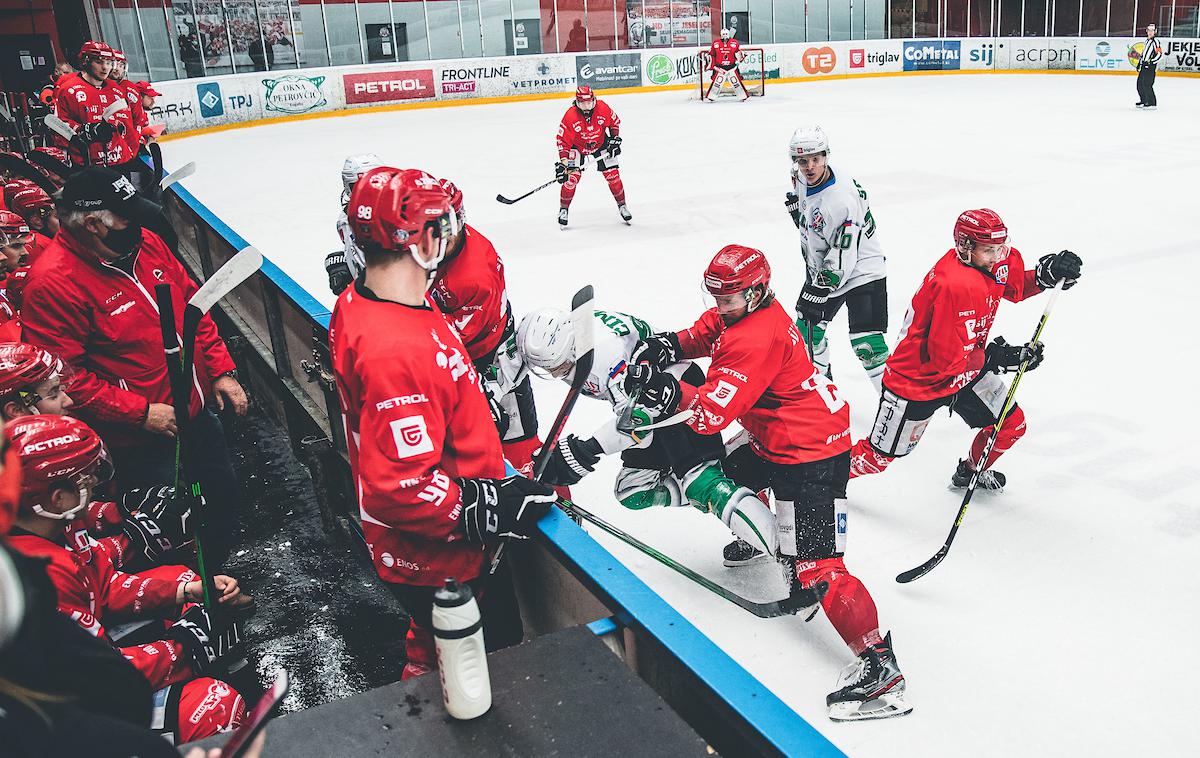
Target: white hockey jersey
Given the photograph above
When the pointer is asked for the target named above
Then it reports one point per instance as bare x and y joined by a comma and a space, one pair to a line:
838, 236
354, 256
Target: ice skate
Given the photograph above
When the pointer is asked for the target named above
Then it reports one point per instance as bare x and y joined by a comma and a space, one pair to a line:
870, 688
623, 209
742, 553
990, 480
562, 217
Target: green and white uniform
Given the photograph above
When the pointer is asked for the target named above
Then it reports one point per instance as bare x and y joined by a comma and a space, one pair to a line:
841, 249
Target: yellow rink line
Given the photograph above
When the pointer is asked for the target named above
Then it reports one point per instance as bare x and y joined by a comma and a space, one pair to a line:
619, 91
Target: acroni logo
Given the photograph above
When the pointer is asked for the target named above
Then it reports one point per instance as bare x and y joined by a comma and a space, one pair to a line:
932, 55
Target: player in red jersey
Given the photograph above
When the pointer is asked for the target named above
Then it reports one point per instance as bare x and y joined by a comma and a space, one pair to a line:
427, 461
588, 128
81, 100
130, 123
798, 430
725, 55
469, 288
62, 460
31, 203
943, 357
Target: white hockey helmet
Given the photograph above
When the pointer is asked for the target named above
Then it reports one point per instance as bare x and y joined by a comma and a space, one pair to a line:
354, 167
808, 140
726, 34
546, 342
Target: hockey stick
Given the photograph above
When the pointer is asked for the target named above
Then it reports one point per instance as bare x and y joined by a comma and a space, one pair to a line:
932, 563
506, 201
22, 167
59, 127
224, 280
581, 325
794, 603
181, 399
156, 159
183, 172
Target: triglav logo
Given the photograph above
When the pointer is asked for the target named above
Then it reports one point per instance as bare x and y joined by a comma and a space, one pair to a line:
294, 94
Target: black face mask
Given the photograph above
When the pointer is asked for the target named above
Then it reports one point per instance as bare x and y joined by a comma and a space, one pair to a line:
125, 241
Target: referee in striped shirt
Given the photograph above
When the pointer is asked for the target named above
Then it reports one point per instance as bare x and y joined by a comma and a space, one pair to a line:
1147, 69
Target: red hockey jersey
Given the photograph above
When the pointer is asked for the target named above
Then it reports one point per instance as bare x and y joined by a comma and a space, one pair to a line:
945, 332
470, 290
77, 103
762, 377
724, 52
587, 135
90, 591
133, 119
416, 418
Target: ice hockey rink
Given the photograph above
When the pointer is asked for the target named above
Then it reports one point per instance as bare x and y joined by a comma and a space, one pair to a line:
1059, 622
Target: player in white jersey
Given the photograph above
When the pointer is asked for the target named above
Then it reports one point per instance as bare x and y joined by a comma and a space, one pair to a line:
669, 466
344, 266
842, 255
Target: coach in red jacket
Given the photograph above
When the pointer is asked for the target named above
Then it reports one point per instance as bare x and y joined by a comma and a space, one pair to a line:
90, 300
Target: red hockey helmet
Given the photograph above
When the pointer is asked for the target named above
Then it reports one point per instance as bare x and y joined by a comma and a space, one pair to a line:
118, 56
979, 227
456, 199
26, 198
94, 49
390, 208
22, 368
735, 269
12, 227
585, 99
57, 451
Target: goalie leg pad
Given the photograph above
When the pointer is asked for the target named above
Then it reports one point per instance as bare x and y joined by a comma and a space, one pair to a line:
637, 489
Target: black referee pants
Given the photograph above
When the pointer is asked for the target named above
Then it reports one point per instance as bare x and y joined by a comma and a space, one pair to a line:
1145, 85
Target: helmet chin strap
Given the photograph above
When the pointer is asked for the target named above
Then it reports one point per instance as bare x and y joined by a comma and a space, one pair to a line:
85, 497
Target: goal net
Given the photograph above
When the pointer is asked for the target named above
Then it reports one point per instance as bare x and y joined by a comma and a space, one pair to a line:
752, 68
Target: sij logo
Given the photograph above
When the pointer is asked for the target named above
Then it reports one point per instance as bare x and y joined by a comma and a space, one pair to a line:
982, 54
819, 60
411, 436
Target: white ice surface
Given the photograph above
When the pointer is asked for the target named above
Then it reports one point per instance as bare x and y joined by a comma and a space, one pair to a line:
1059, 623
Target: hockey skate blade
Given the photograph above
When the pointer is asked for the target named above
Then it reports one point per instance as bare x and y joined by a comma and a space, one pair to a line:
759, 558
885, 706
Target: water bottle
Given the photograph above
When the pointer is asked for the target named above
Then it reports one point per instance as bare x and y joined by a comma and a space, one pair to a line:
462, 660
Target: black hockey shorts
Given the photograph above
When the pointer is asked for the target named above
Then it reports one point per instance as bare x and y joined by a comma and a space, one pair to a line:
866, 307
806, 503
900, 423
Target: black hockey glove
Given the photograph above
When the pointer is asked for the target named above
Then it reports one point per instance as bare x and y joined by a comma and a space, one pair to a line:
612, 146
156, 522
205, 645
659, 391
1003, 357
811, 303
1065, 267
560, 172
571, 459
339, 273
499, 415
793, 207
503, 508
660, 350
100, 131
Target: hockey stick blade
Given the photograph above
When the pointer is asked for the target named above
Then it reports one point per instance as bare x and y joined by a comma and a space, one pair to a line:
183, 172
507, 201
114, 108
236, 270
1009, 402
797, 601
59, 127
